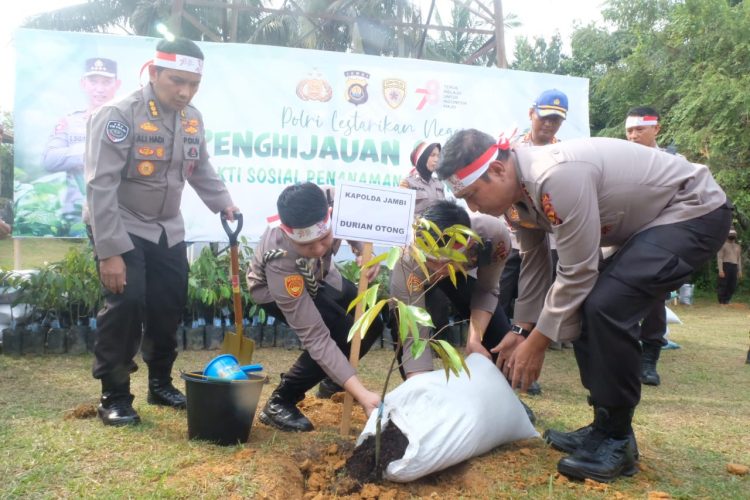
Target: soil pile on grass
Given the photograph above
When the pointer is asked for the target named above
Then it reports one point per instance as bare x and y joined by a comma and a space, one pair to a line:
361, 465
81, 411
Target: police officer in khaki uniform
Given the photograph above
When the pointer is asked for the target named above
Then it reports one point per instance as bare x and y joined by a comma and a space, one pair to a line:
475, 299
547, 113
428, 188
65, 147
140, 151
293, 278
641, 127
729, 260
669, 216
424, 159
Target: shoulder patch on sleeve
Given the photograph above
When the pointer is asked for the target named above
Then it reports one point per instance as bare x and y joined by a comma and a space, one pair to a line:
549, 210
414, 284
116, 131
404, 183
62, 125
500, 252
294, 285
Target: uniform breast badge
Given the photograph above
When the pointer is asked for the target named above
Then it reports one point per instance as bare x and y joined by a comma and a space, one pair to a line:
145, 168
148, 127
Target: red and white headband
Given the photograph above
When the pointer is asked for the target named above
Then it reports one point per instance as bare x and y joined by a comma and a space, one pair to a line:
464, 177
641, 121
303, 234
178, 61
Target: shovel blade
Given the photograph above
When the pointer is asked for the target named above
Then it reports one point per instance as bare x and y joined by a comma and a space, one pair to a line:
247, 348
231, 344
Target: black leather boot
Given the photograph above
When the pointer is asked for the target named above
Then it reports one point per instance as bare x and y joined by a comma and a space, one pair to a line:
569, 442
649, 359
327, 388
607, 451
116, 405
281, 409
283, 414
162, 392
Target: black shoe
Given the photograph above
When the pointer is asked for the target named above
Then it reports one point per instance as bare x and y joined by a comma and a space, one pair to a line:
534, 389
284, 415
327, 388
117, 409
649, 359
600, 457
569, 442
163, 393
747, 361
650, 377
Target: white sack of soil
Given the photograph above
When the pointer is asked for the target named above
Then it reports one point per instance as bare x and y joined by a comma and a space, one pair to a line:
448, 422
672, 317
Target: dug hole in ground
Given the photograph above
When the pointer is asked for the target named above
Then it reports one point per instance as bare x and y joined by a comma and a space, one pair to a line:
430, 424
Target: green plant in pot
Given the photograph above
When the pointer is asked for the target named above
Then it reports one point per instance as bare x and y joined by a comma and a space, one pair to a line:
80, 280
431, 242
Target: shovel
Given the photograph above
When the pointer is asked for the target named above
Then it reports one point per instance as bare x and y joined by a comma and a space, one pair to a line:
236, 343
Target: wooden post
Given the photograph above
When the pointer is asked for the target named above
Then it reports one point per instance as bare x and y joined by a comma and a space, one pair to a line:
346, 415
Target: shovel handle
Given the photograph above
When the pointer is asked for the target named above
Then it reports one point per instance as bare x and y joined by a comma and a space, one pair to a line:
232, 234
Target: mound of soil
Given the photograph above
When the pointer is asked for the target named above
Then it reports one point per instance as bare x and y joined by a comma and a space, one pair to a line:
361, 465
81, 411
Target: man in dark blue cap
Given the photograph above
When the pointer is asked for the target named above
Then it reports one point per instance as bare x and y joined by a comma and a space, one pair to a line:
546, 113
65, 147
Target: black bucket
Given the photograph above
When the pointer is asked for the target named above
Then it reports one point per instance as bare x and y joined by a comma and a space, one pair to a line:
221, 411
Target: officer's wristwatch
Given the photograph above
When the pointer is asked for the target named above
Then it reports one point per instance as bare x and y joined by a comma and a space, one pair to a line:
519, 330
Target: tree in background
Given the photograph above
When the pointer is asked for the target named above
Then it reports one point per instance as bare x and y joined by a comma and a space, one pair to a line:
6, 159
540, 56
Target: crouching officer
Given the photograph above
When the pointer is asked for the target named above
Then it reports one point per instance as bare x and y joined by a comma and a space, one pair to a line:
667, 215
475, 299
139, 153
293, 278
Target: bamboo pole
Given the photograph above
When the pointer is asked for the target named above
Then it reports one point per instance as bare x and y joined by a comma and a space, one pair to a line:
346, 414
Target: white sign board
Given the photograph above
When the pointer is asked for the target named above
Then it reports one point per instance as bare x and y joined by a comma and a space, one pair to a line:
375, 214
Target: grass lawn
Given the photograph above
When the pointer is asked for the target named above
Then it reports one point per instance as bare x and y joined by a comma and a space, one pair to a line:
688, 429
35, 251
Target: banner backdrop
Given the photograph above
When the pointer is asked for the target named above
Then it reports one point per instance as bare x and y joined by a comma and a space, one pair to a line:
274, 116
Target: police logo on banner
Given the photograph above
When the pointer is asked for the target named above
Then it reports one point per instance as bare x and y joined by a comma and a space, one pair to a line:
116, 131
356, 86
394, 92
314, 88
